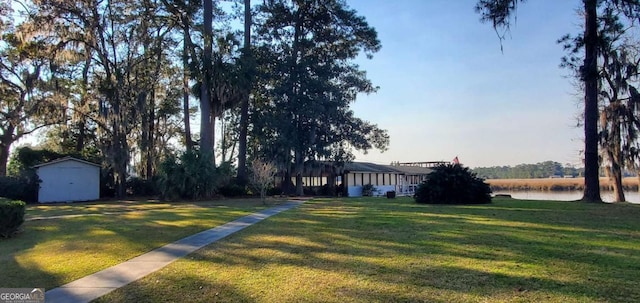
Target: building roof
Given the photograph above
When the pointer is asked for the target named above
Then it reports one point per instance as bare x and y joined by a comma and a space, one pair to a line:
66, 159
368, 167
412, 170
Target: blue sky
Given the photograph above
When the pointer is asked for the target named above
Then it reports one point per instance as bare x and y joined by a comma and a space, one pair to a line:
447, 90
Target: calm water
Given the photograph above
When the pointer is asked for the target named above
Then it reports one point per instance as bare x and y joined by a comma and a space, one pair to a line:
632, 196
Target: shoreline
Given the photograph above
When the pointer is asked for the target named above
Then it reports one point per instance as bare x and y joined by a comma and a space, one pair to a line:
556, 184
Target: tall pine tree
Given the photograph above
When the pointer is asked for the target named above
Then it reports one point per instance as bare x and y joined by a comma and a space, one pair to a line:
307, 52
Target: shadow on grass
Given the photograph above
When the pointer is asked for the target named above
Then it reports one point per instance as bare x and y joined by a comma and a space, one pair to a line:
15, 273
384, 251
116, 207
49, 253
446, 253
191, 287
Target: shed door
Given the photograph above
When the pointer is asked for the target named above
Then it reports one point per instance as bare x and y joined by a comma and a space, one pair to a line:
69, 185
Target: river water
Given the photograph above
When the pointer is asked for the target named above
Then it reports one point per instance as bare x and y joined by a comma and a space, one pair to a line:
607, 196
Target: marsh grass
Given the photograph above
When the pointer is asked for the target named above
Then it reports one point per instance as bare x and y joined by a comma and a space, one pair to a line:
51, 252
380, 250
556, 184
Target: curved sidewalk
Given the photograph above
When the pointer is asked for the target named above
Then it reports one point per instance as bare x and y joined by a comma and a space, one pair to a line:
96, 285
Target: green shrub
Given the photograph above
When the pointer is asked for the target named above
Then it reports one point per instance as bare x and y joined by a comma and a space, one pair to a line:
23, 188
107, 184
331, 191
24, 158
191, 176
141, 188
368, 190
274, 191
232, 190
453, 184
11, 217
307, 191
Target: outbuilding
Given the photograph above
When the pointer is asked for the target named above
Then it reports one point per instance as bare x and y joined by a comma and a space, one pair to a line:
68, 179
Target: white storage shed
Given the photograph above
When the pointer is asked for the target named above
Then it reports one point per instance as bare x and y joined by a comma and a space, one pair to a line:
68, 179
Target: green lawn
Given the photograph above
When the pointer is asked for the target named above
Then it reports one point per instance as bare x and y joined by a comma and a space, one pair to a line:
50, 253
345, 250
380, 250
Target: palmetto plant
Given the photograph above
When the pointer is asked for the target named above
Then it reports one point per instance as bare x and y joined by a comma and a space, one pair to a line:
190, 176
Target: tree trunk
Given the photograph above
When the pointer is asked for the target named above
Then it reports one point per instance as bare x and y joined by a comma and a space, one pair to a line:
331, 183
614, 174
206, 137
4, 158
286, 182
618, 190
616, 156
151, 115
151, 139
213, 137
6, 139
144, 140
299, 161
299, 165
233, 150
120, 164
244, 108
185, 85
122, 151
590, 77
223, 139
121, 147
82, 120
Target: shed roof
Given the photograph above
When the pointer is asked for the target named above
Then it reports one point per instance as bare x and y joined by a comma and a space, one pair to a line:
66, 159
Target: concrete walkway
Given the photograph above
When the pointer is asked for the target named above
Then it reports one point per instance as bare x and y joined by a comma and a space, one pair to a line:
96, 285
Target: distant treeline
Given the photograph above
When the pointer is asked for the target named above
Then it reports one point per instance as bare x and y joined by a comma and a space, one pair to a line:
545, 169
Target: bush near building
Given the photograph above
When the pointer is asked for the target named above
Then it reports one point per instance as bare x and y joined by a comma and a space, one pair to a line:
11, 216
453, 184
